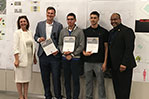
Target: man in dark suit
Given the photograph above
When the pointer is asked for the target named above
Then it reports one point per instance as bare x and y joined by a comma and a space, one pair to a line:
121, 58
44, 30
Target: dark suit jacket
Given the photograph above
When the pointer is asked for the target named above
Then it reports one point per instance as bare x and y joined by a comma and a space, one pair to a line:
121, 47
41, 32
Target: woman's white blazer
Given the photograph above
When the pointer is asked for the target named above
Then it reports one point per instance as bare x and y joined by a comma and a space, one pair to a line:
20, 47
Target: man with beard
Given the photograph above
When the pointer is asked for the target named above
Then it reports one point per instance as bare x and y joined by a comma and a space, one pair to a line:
95, 62
120, 56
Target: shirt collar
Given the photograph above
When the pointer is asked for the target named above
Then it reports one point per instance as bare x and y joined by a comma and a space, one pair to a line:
47, 24
72, 29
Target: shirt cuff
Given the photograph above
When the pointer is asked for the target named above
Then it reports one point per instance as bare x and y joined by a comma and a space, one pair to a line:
72, 55
38, 40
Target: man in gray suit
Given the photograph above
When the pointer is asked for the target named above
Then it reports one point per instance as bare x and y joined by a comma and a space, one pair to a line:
49, 64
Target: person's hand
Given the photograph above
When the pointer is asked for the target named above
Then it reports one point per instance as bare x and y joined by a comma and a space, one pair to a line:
122, 68
103, 67
35, 60
41, 39
87, 53
16, 63
67, 53
68, 57
55, 53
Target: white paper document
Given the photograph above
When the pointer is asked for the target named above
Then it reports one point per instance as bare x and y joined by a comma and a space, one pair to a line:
92, 44
68, 43
48, 47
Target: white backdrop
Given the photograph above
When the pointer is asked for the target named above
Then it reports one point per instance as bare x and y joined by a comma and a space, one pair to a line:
128, 10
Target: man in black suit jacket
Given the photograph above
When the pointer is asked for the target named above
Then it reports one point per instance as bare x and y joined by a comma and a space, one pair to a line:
121, 58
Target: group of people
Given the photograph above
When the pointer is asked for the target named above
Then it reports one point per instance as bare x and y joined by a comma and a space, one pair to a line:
114, 50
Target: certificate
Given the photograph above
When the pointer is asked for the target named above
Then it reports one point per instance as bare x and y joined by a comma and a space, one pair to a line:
68, 43
92, 44
48, 47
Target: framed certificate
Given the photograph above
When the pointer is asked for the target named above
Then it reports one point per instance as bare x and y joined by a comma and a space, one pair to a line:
68, 43
92, 44
48, 47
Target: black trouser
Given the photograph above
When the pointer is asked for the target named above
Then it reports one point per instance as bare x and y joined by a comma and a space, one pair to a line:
122, 83
72, 68
50, 64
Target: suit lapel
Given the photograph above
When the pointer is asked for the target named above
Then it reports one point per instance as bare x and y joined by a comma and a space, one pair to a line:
44, 29
115, 36
115, 33
53, 28
23, 38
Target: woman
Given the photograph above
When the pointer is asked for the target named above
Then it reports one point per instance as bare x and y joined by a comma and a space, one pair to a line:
24, 53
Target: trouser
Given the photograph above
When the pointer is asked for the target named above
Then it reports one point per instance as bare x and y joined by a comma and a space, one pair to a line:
122, 83
50, 64
89, 68
72, 68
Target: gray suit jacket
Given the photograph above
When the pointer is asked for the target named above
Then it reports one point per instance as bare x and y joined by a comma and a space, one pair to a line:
41, 32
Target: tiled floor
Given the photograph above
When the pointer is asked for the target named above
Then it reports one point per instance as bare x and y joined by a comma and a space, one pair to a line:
14, 95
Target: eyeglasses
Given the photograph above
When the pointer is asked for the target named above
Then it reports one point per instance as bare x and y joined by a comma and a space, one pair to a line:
93, 17
70, 19
114, 19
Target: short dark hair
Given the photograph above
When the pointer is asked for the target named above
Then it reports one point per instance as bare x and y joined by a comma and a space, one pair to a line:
118, 15
51, 8
72, 14
95, 13
18, 22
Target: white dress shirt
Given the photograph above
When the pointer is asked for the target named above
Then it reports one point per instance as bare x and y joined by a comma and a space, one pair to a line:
48, 30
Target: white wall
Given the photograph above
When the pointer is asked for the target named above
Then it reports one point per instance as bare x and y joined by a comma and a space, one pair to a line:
129, 10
